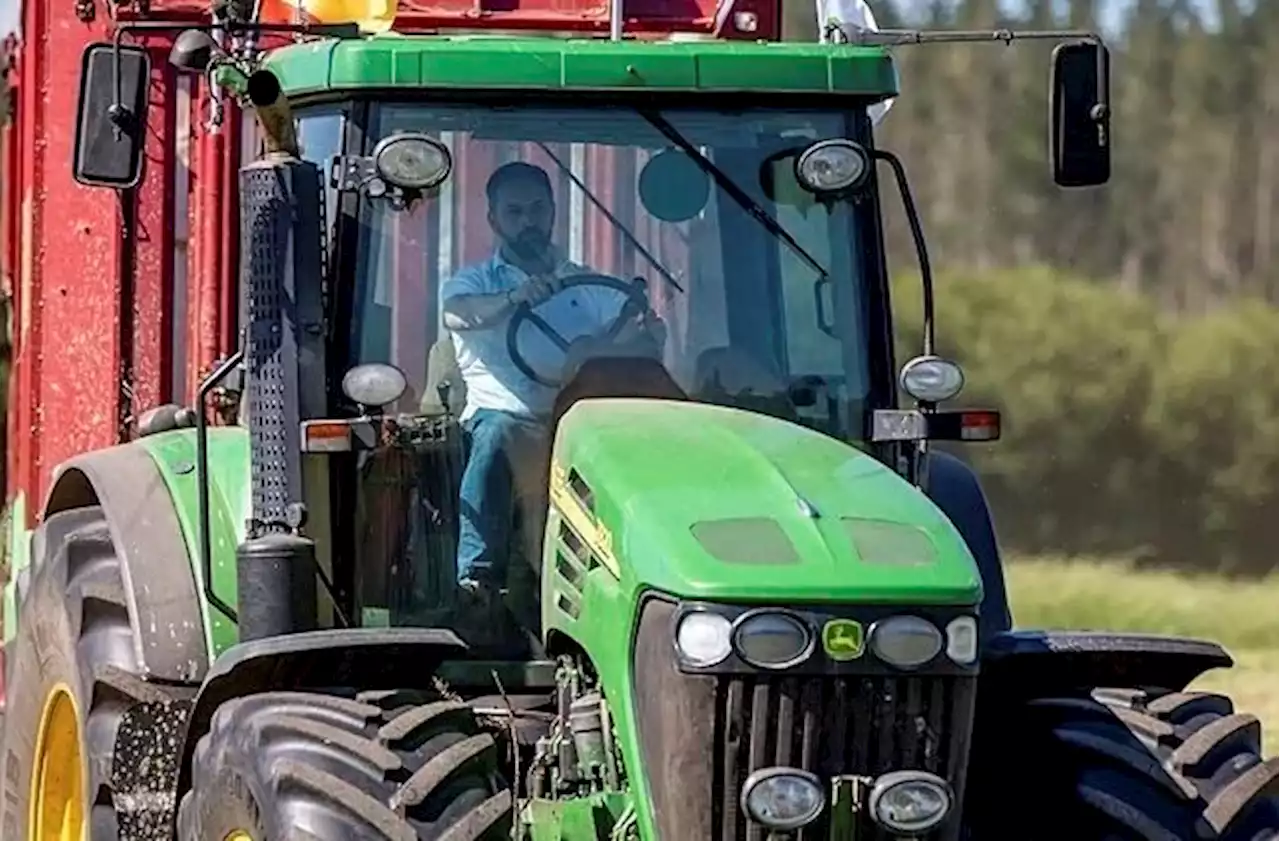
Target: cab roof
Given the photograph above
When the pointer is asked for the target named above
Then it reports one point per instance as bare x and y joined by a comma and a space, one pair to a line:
488, 62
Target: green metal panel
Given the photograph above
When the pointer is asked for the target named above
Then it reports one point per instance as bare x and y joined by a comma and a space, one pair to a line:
658, 471
588, 818
486, 63
710, 502
229, 501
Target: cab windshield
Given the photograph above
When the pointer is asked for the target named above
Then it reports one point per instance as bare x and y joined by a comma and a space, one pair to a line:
765, 296
751, 318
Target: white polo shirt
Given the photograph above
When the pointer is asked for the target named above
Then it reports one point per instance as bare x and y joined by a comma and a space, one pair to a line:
492, 379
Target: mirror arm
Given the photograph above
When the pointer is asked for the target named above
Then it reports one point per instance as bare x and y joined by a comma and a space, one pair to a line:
117, 113
908, 37
917, 237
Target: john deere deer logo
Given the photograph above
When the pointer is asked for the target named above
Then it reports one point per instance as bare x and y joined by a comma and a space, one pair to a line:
843, 639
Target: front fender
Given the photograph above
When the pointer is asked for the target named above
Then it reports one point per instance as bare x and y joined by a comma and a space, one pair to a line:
164, 600
174, 455
953, 486
1038, 664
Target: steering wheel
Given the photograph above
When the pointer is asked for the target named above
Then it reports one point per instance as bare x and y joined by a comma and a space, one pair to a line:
636, 302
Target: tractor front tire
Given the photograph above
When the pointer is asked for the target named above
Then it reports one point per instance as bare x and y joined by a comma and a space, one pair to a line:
287, 766
1126, 765
73, 672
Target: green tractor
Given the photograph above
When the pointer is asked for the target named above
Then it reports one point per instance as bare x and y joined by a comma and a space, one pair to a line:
746, 599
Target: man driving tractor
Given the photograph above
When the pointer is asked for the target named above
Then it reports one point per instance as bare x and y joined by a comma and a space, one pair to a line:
506, 411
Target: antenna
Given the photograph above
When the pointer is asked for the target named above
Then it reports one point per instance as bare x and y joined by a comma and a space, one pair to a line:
615, 20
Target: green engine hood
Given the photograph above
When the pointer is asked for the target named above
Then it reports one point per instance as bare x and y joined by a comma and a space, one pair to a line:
714, 503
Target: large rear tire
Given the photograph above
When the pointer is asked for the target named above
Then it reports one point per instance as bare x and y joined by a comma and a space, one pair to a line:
1127, 766
279, 766
75, 650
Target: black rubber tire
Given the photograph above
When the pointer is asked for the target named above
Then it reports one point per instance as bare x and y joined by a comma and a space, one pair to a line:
74, 628
1125, 765
280, 766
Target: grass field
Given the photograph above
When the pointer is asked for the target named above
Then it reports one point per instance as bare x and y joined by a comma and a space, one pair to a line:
1097, 595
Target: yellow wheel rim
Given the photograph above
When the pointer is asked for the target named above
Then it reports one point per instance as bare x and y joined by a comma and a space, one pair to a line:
239, 835
57, 779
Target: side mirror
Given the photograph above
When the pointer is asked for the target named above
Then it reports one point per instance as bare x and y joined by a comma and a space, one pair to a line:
1080, 137
111, 117
192, 51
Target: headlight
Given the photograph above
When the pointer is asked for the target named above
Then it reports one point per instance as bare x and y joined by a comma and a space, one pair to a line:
782, 798
374, 384
703, 638
931, 379
772, 640
962, 640
830, 166
905, 641
412, 161
910, 802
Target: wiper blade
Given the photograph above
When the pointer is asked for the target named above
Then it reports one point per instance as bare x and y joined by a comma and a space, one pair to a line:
635, 243
750, 205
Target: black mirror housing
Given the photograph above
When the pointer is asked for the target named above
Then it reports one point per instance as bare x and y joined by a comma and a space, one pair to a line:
193, 50
111, 118
1080, 133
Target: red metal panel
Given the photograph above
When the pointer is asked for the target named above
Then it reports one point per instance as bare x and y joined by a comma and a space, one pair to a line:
71, 262
413, 263
643, 18
152, 281
228, 285
474, 238
67, 363
214, 244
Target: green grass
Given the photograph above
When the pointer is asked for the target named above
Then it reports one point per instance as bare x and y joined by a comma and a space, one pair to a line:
1107, 595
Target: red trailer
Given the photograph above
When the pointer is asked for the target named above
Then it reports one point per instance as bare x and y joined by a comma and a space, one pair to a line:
123, 301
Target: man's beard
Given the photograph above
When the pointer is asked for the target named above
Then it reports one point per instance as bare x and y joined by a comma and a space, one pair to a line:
531, 244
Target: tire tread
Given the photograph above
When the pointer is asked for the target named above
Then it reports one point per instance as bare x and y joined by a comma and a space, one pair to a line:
1200, 777
377, 768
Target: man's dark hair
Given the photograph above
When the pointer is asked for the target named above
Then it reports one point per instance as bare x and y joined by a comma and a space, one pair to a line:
514, 173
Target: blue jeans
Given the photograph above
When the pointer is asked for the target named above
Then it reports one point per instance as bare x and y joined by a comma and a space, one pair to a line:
487, 500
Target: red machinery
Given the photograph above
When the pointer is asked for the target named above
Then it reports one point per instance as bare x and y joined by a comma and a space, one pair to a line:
121, 302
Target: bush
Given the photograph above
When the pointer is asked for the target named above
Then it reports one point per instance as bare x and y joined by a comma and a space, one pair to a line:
1125, 430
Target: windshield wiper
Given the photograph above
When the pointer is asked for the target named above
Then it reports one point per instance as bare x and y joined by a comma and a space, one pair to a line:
750, 205
635, 243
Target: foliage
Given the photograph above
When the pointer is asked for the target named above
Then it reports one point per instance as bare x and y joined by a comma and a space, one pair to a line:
1190, 213
1126, 431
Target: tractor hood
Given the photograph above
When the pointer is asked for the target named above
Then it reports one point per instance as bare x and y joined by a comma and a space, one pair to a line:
708, 502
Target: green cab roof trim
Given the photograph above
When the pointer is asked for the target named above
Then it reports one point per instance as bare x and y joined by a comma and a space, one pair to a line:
489, 63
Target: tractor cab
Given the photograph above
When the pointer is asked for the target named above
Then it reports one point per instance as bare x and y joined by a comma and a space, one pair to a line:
723, 255
738, 595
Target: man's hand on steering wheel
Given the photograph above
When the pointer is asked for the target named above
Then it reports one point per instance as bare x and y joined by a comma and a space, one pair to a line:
535, 290
636, 304
644, 324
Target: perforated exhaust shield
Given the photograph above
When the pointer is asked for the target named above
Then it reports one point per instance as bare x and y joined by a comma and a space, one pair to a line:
280, 242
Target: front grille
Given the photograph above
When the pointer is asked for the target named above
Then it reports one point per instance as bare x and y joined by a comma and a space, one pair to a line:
832, 726
701, 735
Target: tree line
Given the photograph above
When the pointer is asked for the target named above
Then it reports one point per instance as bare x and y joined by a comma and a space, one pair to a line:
1127, 332
1189, 216
1127, 431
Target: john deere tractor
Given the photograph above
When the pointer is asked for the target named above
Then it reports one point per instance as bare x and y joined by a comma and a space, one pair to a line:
746, 598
